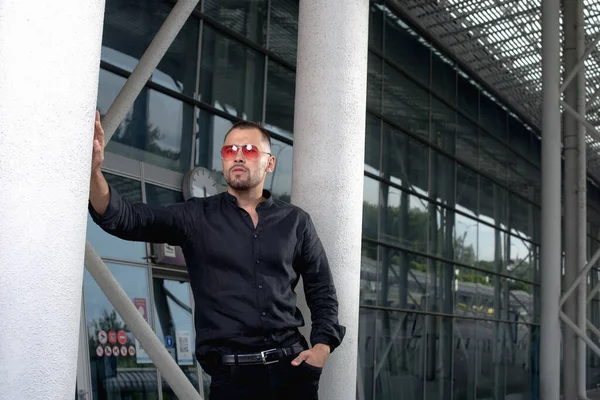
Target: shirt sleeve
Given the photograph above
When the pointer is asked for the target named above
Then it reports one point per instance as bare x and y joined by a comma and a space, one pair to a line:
145, 223
320, 291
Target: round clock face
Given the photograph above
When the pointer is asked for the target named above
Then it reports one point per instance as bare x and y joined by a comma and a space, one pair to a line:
200, 182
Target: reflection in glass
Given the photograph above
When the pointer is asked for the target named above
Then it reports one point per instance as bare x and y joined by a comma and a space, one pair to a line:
209, 140
247, 17
405, 160
465, 358
520, 263
406, 48
367, 337
467, 141
468, 96
130, 26
175, 327
493, 158
231, 76
110, 246
368, 274
157, 130
400, 354
404, 102
279, 182
373, 145
374, 83
404, 219
283, 29
130, 373
492, 117
281, 87
403, 279
376, 24
465, 240
438, 357
466, 190
370, 226
444, 82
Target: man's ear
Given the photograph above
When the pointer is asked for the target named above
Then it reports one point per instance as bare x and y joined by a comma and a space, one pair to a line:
271, 164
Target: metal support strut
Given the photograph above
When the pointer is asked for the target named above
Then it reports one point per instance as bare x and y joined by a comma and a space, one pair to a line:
161, 358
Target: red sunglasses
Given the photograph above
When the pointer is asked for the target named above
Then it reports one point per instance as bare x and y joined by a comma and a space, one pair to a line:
250, 151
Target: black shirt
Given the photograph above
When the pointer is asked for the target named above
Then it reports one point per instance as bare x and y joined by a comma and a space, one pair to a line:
243, 278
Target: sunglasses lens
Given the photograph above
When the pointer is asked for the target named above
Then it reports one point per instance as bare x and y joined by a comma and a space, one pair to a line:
229, 152
250, 151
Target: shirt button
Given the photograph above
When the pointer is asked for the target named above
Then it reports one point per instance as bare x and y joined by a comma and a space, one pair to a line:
258, 261
265, 339
255, 235
263, 313
260, 286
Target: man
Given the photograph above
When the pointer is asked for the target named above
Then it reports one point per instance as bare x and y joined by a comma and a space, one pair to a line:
245, 253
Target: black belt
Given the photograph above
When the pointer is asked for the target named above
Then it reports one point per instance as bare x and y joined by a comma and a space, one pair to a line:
264, 357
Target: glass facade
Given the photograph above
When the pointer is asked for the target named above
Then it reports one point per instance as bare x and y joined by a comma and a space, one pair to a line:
449, 296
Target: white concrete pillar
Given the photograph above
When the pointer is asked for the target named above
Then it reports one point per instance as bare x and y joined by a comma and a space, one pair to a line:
50, 54
328, 161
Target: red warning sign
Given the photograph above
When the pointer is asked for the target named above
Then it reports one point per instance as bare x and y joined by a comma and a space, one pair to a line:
122, 337
99, 351
112, 337
123, 351
115, 351
131, 350
108, 351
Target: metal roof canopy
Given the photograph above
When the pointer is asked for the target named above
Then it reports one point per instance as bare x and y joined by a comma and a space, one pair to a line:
499, 41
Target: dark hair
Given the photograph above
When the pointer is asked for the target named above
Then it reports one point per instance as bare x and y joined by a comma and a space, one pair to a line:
250, 125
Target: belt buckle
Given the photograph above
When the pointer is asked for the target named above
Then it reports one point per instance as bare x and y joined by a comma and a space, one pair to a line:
265, 354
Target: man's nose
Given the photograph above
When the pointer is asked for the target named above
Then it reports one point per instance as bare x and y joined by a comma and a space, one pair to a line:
239, 157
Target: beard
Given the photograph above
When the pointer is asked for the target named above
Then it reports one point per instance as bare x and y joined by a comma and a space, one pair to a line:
240, 182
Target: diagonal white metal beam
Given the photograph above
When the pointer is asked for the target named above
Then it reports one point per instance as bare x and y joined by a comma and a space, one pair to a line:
580, 333
591, 130
583, 273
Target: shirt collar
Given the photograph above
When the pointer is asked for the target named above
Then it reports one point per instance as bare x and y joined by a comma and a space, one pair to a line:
264, 204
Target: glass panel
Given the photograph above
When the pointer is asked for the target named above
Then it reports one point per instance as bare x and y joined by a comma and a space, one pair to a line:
438, 358
467, 141
368, 274
403, 279
519, 356
493, 158
376, 25
444, 180
400, 354
521, 217
444, 77
366, 352
209, 140
370, 226
279, 113
520, 299
110, 246
373, 145
406, 48
405, 161
231, 76
491, 369
175, 328
130, 26
159, 196
493, 203
492, 117
157, 130
465, 358
443, 126
119, 367
404, 219
520, 262
248, 17
405, 103
468, 97
279, 182
466, 190
374, 82
283, 29
519, 138
465, 240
